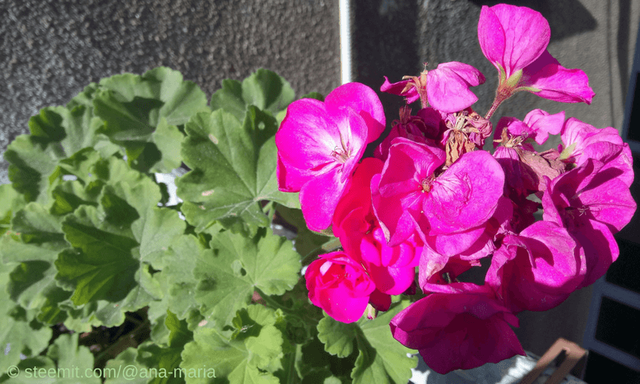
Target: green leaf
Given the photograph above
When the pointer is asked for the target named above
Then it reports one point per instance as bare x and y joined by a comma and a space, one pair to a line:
230, 271
51, 311
135, 107
266, 345
263, 89
125, 359
30, 168
314, 365
80, 319
81, 164
307, 242
180, 99
115, 244
337, 337
32, 282
313, 95
177, 277
19, 334
233, 168
238, 361
168, 358
10, 202
71, 194
229, 98
381, 359
65, 362
267, 91
69, 355
103, 267
168, 139
155, 229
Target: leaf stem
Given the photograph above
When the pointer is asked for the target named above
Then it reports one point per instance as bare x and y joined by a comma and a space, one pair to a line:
292, 376
121, 339
272, 302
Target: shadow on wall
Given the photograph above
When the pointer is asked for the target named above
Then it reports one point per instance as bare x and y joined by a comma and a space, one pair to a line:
384, 42
566, 18
569, 18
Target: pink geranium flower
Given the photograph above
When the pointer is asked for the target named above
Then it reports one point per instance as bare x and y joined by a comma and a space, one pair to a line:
319, 145
458, 331
340, 286
515, 40
409, 195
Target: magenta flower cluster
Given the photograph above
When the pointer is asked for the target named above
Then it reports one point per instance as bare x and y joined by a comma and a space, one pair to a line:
432, 198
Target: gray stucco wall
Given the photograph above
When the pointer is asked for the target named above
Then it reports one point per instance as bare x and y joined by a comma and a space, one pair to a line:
50, 49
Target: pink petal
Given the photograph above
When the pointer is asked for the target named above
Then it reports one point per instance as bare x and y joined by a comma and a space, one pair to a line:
380, 301
389, 280
397, 89
364, 101
458, 331
319, 198
291, 179
456, 243
448, 86
512, 37
394, 217
600, 250
465, 195
555, 82
307, 136
543, 124
536, 270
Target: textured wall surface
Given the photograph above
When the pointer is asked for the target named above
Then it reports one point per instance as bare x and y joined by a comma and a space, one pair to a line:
51, 49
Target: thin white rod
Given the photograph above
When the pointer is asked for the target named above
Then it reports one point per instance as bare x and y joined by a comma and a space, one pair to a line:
345, 41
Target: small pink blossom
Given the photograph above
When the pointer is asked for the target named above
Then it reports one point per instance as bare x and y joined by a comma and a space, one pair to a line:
458, 331
339, 286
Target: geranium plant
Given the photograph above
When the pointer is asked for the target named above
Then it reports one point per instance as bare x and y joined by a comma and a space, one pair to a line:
288, 258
